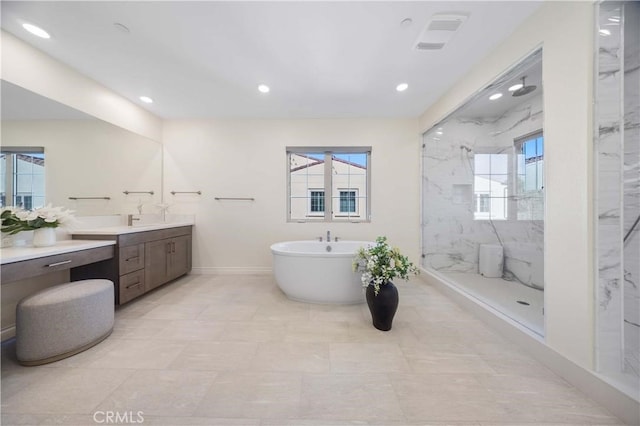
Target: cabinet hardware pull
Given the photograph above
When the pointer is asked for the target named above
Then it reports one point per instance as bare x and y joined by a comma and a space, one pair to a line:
173, 247
133, 285
131, 258
64, 262
169, 248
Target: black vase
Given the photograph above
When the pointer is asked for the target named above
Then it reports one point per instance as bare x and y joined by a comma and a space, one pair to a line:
383, 307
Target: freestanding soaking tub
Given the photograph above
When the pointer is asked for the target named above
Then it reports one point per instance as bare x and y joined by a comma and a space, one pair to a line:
318, 272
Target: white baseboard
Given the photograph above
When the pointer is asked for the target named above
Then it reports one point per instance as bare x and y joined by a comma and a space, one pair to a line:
230, 270
617, 401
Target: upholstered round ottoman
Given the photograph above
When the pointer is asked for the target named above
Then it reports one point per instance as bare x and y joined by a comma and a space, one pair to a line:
63, 320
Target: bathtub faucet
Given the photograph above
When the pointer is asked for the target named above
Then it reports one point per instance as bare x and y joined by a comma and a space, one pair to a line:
328, 236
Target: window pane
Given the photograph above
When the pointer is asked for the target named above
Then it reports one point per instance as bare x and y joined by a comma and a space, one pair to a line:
482, 164
317, 202
306, 180
345, 197
530, 179
491, 185
347, 201
22, 178
349, 182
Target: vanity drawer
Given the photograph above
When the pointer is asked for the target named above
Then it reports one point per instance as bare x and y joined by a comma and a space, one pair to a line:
131, 286
131, 258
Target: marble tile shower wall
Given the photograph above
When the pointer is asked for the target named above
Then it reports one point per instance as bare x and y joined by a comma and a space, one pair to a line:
450, 233
631, 186
617, 143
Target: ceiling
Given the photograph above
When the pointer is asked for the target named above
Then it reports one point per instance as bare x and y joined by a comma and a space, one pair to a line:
321, 59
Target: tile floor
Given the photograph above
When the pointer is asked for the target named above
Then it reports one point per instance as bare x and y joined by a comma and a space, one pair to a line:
232, 350
504, 295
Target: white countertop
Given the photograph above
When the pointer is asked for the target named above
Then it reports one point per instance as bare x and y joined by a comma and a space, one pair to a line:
17, 254
123, 229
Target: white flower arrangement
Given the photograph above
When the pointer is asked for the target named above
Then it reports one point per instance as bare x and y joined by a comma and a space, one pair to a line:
15, 219
380, 263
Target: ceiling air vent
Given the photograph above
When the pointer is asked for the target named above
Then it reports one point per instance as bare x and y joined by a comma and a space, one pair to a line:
429, 46
439, 30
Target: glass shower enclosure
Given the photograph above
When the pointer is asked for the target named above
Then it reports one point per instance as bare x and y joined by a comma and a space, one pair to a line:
483, 196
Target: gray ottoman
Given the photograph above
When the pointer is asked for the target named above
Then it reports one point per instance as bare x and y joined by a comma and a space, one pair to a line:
63, 320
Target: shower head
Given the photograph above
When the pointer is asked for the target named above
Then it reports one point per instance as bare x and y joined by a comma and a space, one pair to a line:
524, 90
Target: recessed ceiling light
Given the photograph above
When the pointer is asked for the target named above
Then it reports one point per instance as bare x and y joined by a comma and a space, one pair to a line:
495, 96
146, 99
402, 87
37, 31
439, 132
614, 19
406, 22
515, 87
605, 32
263, 88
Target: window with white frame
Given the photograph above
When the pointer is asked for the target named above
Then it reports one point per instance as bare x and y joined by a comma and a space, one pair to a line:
316, 202
22, 178
348, 200
328, 184
490, 184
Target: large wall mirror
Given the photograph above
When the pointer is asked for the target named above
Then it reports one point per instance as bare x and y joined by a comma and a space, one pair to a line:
52, 153
483, 195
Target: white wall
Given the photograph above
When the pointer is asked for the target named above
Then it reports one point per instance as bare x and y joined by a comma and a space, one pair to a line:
247, 158
566, 32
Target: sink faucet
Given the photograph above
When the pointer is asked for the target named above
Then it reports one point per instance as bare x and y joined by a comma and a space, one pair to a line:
130, 219
328, 236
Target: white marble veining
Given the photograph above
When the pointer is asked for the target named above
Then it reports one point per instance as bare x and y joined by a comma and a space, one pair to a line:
451, 234
617, 151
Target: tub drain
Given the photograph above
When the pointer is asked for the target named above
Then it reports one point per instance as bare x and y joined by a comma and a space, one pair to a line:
522, 302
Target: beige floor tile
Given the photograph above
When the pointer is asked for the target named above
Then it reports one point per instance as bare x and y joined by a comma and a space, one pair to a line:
291, 356
188, 330
317, 331
233, 350
138, 354
216, 356
65, 390
447, 398
204, 421
444, 359
367, 358
137, 328
160, 393
168, 311
331, 313
285, 310
253, 395
253, 331
353, 397
228, 311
